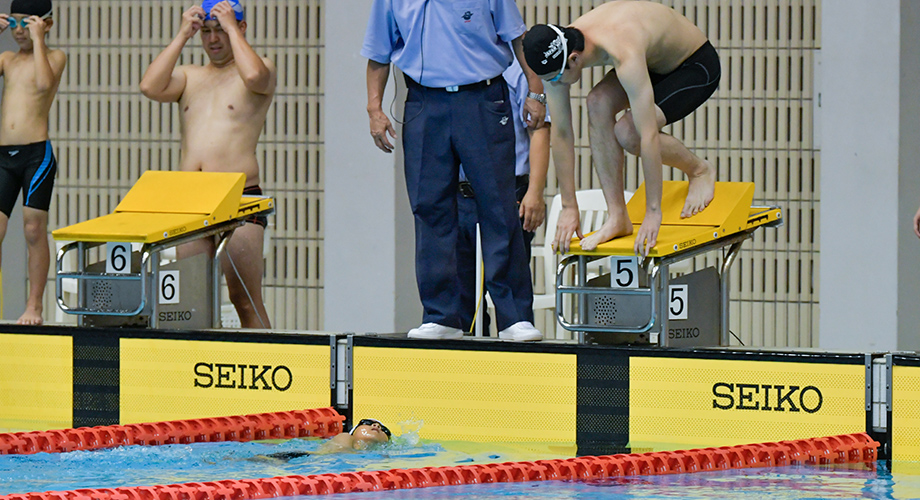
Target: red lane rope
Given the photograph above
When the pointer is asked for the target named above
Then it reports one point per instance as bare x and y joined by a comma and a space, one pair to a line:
850, 448
321, 422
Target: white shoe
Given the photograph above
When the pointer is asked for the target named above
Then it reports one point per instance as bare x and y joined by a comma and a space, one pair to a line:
522, 331
435, 331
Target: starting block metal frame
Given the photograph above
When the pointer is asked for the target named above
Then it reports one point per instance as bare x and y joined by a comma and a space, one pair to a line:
725, 224
163, 210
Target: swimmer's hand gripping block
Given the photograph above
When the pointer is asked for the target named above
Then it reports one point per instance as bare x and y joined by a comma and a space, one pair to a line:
164, 205
729, 212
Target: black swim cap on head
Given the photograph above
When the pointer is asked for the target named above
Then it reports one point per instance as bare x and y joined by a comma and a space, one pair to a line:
544, 50
38, 8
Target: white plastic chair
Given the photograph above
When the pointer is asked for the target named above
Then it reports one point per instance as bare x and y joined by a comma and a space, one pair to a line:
592, 208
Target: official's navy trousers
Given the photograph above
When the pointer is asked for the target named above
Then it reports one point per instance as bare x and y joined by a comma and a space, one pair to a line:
474, 127
466, 255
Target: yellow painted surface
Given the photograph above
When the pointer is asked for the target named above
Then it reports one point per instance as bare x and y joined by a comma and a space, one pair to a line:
683, 401
164, 205
182, 379
905, 413
729, 212
204, 193
36, 382
131, 227
474, 396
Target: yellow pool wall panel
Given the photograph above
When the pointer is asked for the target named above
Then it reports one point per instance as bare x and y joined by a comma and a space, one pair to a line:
905, 413
711, 402
36, 382
478, 396
181, 379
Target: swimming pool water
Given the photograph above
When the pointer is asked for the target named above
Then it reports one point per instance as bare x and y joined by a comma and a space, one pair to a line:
142, 465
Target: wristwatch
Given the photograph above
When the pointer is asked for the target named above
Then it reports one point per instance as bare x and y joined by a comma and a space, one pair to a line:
541, 98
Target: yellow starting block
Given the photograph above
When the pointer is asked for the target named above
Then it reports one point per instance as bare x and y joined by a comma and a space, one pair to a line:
162, 210
638, 299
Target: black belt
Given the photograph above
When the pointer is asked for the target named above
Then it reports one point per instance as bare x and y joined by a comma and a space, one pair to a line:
458, 88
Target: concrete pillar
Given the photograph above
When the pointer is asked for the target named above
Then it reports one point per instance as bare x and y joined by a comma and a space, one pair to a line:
369, 256
870, 177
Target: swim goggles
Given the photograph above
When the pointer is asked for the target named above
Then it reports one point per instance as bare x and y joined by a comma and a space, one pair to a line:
371, 421
14, 23
565, 53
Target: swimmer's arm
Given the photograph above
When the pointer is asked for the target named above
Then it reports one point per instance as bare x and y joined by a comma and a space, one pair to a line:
48, 67
162, 81
562, 145
633, 75
3, 57
258, 73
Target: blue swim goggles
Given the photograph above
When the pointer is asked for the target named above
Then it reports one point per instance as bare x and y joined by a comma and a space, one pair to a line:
14, 23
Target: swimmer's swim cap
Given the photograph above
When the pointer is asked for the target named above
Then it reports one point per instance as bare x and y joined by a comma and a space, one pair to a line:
207, 5
40, 8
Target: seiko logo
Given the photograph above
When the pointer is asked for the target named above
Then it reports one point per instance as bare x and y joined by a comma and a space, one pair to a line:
254, 377
175, 316
766, 397
686, 244
683, 333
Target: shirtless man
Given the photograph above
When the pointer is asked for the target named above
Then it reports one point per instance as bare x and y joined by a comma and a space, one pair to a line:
222, 106
30, 82
663, 68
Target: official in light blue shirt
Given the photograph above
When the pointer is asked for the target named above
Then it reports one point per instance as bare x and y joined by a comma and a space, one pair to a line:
466, 41
457, 110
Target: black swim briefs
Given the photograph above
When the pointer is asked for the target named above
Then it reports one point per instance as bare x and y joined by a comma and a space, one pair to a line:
29, 168
260, 220
686, 88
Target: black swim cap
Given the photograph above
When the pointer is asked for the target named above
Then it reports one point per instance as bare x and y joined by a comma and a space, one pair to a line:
40, 8
545, 50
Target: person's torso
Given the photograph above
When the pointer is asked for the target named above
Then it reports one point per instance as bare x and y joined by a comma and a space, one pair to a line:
665, 36
221, 122
25, 109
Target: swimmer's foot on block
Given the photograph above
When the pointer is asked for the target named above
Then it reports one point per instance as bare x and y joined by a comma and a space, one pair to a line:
700, 192
612, 228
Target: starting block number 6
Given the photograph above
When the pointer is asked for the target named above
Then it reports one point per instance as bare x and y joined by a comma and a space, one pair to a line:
118, 258
624, 272
168, 286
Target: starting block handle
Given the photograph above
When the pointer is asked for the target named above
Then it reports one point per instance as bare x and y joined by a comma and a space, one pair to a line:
581, 291
79, 276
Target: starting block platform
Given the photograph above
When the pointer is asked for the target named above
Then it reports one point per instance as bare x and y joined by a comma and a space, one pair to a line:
163, 210
638, 298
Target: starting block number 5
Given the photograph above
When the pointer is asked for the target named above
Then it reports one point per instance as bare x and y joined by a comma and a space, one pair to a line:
624, 272
677, 301
118, 258
168, 286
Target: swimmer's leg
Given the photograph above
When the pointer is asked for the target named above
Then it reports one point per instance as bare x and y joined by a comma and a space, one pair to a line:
35, 226
245, 250
701, 173
605, 100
